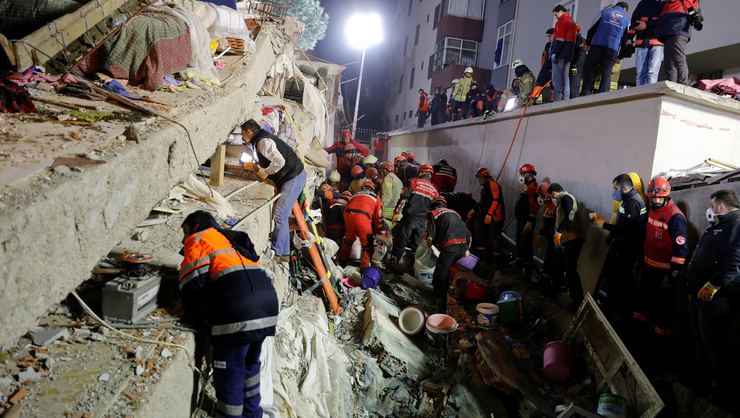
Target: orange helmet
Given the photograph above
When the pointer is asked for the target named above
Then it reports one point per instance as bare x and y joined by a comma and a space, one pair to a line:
345, 134
483, 172
356, 171
399, 159
409, 155
659, 187
371, 173
542, 189
526, 168
368, 184
387, 166
426, 168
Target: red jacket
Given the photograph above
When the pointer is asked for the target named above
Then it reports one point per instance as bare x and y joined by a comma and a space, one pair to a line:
564, 38
338, 149
665, 240
423, 105
444, 178
365, 203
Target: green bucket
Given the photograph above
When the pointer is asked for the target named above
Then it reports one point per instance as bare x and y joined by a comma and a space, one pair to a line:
509, 312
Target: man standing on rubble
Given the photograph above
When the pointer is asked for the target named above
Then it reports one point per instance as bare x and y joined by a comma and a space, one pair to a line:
627, 236
444, 177
361, 218
390, 191
526, 210
280, 164
221, 277
570, 234
446, 231
714, 290
488, 217
412, 209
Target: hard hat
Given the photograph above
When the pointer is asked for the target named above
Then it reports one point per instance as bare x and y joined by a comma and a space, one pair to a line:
370, 159
409, 155
483, 172
426, 168
517, 62
468, 70
356, 171
346, 194
659, 187
345, 133
542, 189
526, 168
387, 166
399, 159
335, 176
368, 185
371, 173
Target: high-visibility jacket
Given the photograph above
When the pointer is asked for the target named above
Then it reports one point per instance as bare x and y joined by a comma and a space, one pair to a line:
492, 201
240, 301
367, 204
390, 193
444, 178
416, 198
446, 228
647, 11
462, 88
665, 240
423, 105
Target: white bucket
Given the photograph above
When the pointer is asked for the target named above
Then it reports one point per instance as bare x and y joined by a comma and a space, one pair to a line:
411, 320
426, 255
486, 315
423, 273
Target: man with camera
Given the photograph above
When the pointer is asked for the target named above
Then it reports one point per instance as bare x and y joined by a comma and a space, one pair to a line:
674, 30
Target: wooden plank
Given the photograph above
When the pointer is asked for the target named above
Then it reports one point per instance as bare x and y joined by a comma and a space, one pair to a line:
52, 38
217, 166
7, 48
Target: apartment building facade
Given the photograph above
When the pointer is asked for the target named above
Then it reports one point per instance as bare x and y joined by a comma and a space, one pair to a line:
521, 24
433, 43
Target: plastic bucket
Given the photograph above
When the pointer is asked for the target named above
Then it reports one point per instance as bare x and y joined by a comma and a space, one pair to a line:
556, 360
423, 273
426, 255
371, 278
612, 406
509, 295
441, 324
411, 320
509, 312
486, 315
468, 262
474, 291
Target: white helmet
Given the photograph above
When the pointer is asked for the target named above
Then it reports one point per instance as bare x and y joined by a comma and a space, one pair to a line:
334, 176
517, 62
468, 70
370, 159
455, 81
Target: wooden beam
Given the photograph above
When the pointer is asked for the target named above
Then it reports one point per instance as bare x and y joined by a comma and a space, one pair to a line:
53, 37
217, 166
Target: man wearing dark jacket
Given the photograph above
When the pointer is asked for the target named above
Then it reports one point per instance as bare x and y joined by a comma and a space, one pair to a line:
674, 30
604, 40
545, 73
576, 66
563, 46
220, 275
438, 107
569, 237
279, 163
627, 236
714, 289
446, 231
648, 48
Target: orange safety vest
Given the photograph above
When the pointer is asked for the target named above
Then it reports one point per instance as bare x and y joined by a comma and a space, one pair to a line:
497, 208
423, 102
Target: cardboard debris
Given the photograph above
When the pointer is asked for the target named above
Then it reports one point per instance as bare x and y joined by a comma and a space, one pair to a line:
18, 395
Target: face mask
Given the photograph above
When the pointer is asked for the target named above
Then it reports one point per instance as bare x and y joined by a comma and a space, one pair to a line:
521, 179
617, 195
711, 216
542, 201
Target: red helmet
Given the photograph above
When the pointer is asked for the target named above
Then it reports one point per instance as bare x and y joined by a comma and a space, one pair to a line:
371, 173
409, 155
542, 189
483, 172
387, 166
526, 168
399, 159
368, 184
355, 171
659, 187
426, 168
345, 134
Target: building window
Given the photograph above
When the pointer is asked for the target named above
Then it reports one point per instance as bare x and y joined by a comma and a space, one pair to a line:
416, 36
405, 45
571, 7
436, 16
404, 115
503, 45
455, 51
422, 65
427, 18
400, 85
473, 9
411, 3
396, 117
411, 79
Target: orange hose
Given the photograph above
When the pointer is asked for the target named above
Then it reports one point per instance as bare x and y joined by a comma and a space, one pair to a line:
331, 297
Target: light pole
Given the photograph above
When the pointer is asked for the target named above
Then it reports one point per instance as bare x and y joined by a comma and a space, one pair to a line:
363, 30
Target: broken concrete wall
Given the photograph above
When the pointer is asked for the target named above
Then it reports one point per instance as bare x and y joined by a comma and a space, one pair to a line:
50, 240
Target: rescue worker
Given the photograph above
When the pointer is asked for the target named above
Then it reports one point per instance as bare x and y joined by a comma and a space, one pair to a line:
370, 161
546, 233
452, 108
627, 236
491, 101
438, 106
714, 290
371, 173
561, 55
358, 179
407, 169
473, 103
648, 48
334, 217
446, 231
604, 40
334, 179
221, 277
460, 92
280, 164
444, 177
673, 29
338, 148
570, 235
526, 210
422, 109
411, 209
390, 192
576, 66
361, 218
488, 217
545, 73
526, 80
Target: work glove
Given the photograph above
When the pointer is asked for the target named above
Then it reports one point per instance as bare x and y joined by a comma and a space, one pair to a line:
396, 217
250, 166
706, 293
261, 174
553, 57
598, 221
556, 238
488, 219
527, 227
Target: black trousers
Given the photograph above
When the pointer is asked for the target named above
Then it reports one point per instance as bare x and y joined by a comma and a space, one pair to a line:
619, 276
441, 279
524, 241
567, 271
486, 238
674, 59
599, 58
422, 119
407, 233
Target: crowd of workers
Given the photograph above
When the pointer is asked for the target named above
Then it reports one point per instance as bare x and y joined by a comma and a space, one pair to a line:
576, 64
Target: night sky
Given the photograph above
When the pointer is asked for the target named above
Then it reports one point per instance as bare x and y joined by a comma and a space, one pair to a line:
334, 48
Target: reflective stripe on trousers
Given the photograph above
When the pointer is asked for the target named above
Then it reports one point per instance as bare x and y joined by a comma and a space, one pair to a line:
238, 382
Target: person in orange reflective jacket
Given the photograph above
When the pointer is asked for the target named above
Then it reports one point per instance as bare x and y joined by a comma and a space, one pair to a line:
220, 275
422, 109
488, 217
361, 217
525, 213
